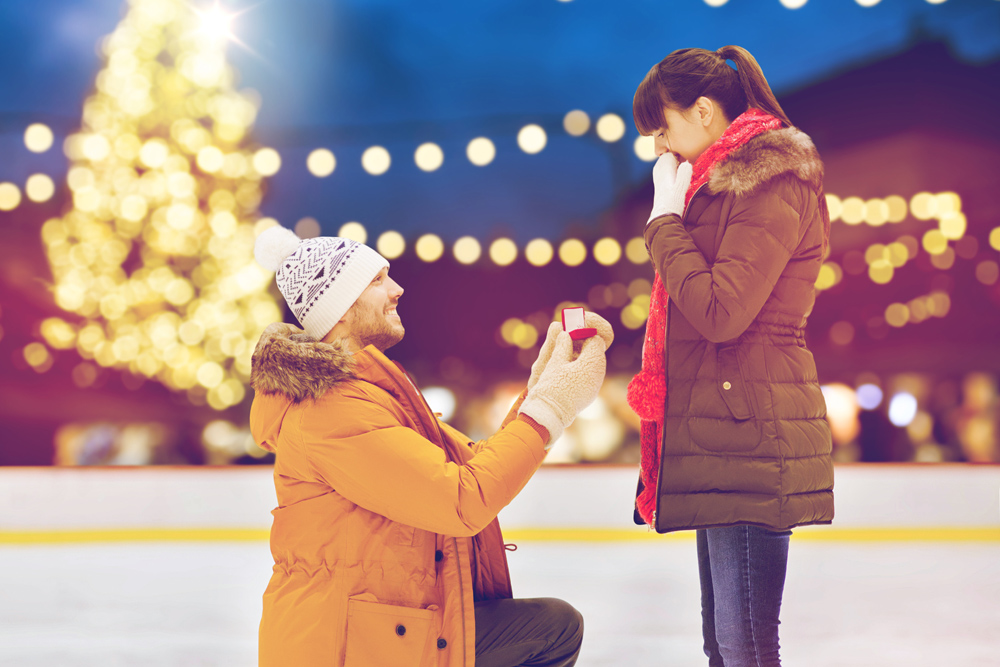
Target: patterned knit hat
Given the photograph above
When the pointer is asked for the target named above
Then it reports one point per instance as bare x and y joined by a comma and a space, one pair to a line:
320, 278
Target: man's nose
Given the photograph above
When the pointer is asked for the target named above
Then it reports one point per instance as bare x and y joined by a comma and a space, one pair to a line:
395, 291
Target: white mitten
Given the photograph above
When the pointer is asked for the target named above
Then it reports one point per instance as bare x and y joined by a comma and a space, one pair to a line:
566, 385
670, 184
544, 353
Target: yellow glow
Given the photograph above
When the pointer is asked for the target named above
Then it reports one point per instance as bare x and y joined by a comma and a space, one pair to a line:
507, 329
645, 148
715, 3
429, 248
58, 333
944, 260
210, 374
897, 254
897, 208
503, 252
223, 224
538, 252
880, 271
639, 287
153, 153
897, 314
390, 244
607, 251
210, 159
842, 333
934, 242
572, 252
834, 206
10, 196
215, 24
827, 277
38, 138
912, 245
939, 304
467, 250
634, 315
610, 127
428, 157
133, 208
947, 203
321, 162
354, 231
36, 355
576, 123
266, 162
635, 250
532, 139
308, 228
524, 335
953, 225
793, 4
480, 151
179, 292
995, 238
95, 147
875, 252
853, 210
876, 212
923, 206
987, 272
376, 160
39, 188
78, 178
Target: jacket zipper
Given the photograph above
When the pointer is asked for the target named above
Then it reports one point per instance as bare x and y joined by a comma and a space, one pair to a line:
666, 393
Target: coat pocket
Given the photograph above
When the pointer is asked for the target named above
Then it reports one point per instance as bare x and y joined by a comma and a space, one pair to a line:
732, 385
386, 635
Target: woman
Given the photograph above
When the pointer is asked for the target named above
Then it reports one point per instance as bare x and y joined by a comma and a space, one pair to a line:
735, 442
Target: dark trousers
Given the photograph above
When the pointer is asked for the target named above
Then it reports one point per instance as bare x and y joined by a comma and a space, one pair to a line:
539, 632
742, 570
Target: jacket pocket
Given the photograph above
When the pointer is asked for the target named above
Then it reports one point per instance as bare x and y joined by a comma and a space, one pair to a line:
732, 385
386, 635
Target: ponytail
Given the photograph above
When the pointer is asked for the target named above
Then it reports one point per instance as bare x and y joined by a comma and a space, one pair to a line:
687, 74
755, 87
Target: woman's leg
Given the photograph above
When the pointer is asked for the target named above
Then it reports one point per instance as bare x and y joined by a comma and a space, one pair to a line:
707, 602
748, 566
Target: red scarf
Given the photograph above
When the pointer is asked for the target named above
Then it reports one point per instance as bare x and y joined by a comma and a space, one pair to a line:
647, 390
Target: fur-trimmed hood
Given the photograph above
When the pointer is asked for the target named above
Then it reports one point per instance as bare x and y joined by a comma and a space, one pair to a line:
765, 157
289, 362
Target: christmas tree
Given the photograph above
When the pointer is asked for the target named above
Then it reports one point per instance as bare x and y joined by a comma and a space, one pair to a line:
154, 260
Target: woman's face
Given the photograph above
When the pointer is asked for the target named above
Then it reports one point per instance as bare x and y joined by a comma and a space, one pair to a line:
683, 133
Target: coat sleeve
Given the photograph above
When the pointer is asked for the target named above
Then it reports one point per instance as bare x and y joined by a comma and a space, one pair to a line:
721, 299
388, 468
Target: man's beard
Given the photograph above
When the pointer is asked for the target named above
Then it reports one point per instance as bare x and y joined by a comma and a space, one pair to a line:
372, 328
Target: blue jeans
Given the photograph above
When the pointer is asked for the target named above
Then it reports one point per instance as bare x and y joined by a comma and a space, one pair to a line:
742, 572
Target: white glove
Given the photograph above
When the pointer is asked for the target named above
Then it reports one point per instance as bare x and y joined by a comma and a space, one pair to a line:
592, 320
670, 185
566, 385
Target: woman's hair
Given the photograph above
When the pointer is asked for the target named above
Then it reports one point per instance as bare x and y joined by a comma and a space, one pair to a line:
687, 74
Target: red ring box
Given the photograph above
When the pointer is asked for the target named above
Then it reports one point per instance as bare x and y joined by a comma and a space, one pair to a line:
573, 320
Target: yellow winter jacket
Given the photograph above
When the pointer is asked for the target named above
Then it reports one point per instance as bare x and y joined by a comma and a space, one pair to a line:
385, 531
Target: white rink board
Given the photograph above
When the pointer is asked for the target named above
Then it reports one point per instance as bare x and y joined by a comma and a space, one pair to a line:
598, 497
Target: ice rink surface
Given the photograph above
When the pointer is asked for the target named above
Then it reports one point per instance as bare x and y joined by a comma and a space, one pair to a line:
186, 604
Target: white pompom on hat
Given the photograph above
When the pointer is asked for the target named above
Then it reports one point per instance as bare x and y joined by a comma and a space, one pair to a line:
320, 278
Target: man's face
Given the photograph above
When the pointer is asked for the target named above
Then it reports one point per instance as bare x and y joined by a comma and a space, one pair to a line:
373, 319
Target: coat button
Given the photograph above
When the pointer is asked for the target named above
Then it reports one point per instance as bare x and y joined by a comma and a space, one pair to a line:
442, 643
438, 555
400, 630
727, 386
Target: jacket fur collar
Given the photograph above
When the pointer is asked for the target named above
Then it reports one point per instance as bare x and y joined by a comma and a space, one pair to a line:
287, 361
765, 157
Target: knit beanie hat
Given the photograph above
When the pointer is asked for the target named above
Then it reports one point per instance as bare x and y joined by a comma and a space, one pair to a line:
320, 278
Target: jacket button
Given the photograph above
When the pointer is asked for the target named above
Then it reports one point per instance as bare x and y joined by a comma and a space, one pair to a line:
400, 630
442, 643
727, 386
438, 555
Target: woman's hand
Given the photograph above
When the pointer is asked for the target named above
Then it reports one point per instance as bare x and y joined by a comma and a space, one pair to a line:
670, 185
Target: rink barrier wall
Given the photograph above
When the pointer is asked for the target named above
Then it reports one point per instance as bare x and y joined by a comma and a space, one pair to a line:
874, 502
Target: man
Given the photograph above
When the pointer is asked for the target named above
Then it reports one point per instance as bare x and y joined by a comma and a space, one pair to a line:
386, 547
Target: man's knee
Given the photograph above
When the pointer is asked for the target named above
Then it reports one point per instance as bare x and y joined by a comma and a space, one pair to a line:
563, 618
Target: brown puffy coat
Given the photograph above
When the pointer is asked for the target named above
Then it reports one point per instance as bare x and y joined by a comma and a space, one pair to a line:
745, 439
385, 531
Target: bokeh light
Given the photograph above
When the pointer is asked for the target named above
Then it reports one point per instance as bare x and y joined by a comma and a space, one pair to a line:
610, 127
572, 252
576, 123
532, 139
645, 148
635, 250
538, 252
902, 409
480, 151
10, 196
467, 250
428, 157
321, 162
503, 252
390, 244
38, 138
39, 188
607, 251
267, 162
869, 396
354, 231
429, 247
376, 160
